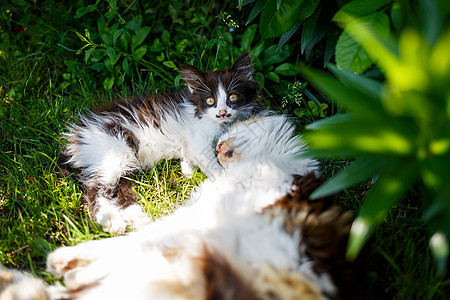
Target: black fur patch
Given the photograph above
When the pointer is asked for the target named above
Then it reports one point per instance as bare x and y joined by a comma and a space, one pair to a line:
236, 79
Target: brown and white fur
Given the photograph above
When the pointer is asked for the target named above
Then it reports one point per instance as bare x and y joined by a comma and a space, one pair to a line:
132, 135
251, 233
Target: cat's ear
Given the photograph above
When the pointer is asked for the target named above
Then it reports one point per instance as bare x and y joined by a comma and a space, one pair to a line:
192, 76
243, 65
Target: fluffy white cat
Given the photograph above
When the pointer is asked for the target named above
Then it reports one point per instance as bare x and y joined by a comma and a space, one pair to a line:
249, 233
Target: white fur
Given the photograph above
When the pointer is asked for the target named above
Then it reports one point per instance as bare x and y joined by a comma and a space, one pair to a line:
105, 157
280, 142
223, 214
15, 285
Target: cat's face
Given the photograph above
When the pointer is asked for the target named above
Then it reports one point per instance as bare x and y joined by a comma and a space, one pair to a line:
223, 95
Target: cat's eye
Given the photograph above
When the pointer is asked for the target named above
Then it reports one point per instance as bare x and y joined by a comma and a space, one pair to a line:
232, 98
210, 100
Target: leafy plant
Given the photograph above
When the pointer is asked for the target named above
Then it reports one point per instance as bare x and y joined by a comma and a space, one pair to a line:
399, 131
285, 18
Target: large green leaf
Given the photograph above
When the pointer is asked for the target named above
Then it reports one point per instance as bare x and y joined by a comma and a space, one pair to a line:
309, 27
247, 37
256, 10
350, 54
139, 37
395, 179
330, 121
275, 22
288, 34
273, 56
360, 170
363, 84
287, 69
370, 136
358, 8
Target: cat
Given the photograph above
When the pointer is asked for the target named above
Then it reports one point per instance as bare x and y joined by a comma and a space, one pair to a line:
133, 134
250, 233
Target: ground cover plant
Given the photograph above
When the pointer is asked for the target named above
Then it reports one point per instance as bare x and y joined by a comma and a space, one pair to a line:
60, 59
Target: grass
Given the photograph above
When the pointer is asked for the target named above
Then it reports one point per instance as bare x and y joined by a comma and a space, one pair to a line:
39, 212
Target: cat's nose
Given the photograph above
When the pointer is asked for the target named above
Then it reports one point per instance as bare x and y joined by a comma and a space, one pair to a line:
222, 113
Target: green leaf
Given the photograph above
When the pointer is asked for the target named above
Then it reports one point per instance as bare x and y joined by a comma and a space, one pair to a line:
84, 10
124, 41
330, 46
395, 179
141, 51
363, 84
275, 21
108, 83
170, 64
287, 69
307, 31
97, 66
372, 33
331, 121
116, 34
19, 2
273, 56
112, 55
308, 9
358, 8
88, 54
135, 23
354, 100
139, 37
109, 66
81, 37
247, 37
350, 54
363, 135
103, 31
257, 9
126, 66
273, 76
360, 170
288, 34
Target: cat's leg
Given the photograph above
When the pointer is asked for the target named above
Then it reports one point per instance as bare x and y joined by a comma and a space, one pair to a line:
104, 210
64, 259
201, 153
186, 167
130, 210
105, 151
18, 285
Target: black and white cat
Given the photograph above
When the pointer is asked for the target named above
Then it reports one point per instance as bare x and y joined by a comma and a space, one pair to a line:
250, 234
134, 134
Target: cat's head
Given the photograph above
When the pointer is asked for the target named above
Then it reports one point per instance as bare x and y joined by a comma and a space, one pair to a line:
223, 95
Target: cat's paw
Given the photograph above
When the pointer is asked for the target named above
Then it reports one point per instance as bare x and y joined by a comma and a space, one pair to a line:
227, 152
18, 285
65, 259
111, 220
186, 168
135, 216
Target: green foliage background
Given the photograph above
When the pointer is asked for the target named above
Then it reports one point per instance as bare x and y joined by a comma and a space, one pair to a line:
377, 112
